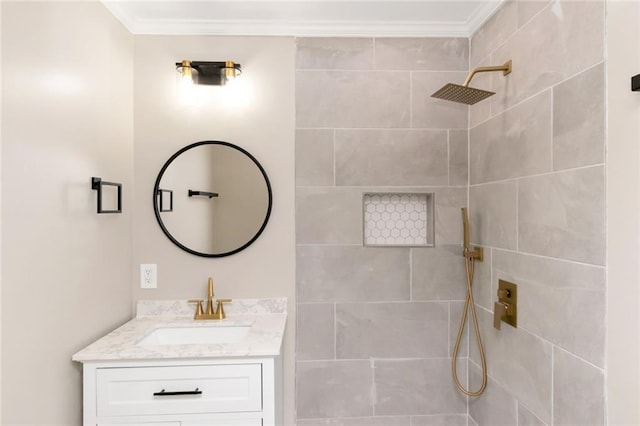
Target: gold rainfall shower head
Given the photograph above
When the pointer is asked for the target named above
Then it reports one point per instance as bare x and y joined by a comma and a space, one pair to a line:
469, 95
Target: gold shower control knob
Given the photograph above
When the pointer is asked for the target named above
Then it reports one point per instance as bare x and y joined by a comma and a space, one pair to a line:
506, 308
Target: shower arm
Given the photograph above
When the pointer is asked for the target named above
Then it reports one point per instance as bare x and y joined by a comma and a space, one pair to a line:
506, 68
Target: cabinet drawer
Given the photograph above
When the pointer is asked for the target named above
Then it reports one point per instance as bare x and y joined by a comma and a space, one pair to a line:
179, 389
141, 424
237, 422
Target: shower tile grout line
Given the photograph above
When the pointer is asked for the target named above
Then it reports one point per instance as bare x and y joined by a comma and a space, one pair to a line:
517, 216
383, 187
492, 116
435, 129
372, 70
468, 207
513, 179
411, 274
374, 389
374, 60
559, 259
449, 156
411, 100
560, 348
551, 113
385, 416
374, 359
373, 302
524, 24
333, 147
449, 330
335, 330
512, 35
545, 340
553, 378
330, 245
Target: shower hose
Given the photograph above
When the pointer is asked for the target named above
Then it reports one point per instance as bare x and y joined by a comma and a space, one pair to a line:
469, 304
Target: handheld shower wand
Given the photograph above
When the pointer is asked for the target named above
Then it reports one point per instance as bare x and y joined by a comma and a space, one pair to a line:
465, 228
477, 252
470, 256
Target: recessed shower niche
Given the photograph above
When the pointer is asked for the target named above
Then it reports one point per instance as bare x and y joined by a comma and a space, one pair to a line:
398, 219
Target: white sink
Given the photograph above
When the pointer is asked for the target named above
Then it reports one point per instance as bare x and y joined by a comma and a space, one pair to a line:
204, 335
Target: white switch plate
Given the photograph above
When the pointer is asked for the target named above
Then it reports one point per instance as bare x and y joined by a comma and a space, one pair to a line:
148, 275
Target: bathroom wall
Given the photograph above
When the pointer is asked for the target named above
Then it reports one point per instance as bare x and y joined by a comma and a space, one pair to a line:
623, 211
0, 219
376, 325
257, 116
537, 203
67, 115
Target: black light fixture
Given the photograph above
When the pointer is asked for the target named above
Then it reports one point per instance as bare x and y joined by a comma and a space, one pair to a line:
210, 73
635, 83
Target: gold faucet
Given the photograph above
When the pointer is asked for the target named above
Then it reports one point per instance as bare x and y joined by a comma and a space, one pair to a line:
210, 314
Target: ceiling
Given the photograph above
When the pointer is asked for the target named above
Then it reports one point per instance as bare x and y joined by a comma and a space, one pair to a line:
419, 18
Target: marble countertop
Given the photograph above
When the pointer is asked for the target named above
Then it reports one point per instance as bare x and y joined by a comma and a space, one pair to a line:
267, 318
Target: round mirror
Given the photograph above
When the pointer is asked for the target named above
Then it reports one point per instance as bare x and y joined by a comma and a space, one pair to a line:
212, 198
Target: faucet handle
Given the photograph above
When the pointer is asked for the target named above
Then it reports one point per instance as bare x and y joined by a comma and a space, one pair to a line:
220, 309
199, 310
500, 310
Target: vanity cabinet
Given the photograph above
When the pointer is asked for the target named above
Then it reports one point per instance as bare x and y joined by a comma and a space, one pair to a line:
206, 373
212, 392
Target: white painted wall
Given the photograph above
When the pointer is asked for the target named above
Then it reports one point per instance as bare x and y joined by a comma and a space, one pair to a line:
67, 115
623, 214
0, 218
263, 125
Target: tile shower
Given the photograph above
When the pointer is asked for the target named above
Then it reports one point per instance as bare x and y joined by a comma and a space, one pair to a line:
376, 325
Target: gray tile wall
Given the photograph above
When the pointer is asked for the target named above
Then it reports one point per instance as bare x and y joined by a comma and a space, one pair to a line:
376, 325
536, 200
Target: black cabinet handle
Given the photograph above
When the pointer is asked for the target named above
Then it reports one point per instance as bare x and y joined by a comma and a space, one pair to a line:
165, 393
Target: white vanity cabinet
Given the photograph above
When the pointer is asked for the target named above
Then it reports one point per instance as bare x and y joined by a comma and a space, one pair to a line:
200, 373
185, 392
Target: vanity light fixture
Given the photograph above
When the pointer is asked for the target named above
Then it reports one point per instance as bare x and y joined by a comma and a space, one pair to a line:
635, 83
209, 73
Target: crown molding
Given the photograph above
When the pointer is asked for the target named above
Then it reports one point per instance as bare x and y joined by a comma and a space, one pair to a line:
302, 28
482, 15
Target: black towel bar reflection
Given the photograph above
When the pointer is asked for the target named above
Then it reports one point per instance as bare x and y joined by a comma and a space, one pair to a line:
202, 193
97, 184
165, 393
165, 200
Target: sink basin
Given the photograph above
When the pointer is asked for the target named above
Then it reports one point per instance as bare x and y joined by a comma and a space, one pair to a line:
195, 335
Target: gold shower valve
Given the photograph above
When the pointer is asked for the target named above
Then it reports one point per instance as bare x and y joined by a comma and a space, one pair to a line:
506, 308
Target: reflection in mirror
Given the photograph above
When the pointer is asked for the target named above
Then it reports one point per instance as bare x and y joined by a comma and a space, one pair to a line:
220, 198
165, 200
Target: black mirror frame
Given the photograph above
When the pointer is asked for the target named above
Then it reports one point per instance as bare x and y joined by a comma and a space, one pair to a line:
157, 186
